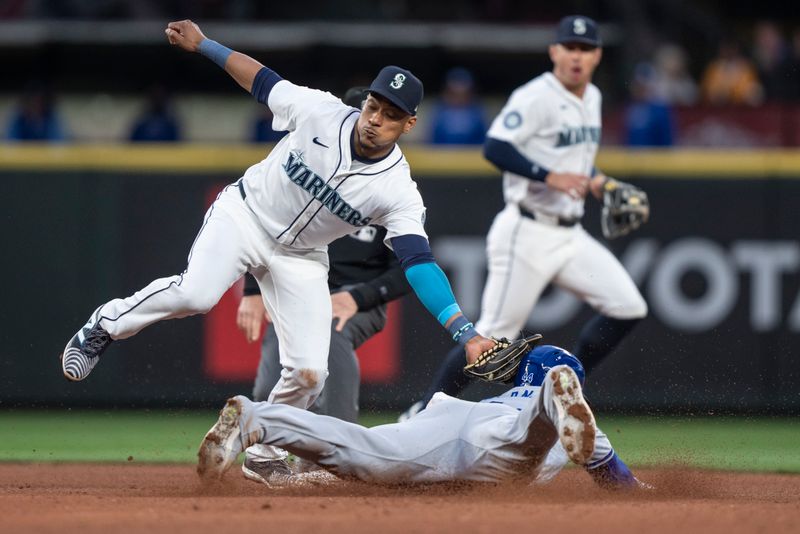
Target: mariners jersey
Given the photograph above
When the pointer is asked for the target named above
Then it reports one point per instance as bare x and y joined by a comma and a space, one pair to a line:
555, 129
312, 189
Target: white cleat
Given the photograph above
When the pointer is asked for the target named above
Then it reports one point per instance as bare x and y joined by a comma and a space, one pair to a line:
576, 424
222, 444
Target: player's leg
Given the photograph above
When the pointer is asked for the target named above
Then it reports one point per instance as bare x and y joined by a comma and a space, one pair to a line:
427, 449
295, 290
267, 375
269, 366
339, 398
523, 256
595, 275
218, 257
264, 463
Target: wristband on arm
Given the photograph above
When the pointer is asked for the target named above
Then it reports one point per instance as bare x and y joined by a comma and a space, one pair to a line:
462, 330
215, 52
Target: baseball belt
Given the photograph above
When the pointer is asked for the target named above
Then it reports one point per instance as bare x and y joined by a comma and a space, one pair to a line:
552, 220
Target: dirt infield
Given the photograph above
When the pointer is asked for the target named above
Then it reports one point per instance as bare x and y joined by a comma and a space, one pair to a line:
92, 498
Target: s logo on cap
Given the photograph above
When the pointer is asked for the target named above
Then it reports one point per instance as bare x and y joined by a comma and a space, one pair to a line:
579, 27
399, 80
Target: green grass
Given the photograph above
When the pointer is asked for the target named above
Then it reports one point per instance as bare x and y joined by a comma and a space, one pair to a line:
737, 443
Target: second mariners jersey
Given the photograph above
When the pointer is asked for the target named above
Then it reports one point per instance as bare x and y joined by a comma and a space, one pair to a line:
555, 129
311, 189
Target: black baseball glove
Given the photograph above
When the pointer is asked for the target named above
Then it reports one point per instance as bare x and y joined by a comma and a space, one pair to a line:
500, 363
625, 208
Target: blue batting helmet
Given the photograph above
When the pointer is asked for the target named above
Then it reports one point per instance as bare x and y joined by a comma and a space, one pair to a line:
540, 360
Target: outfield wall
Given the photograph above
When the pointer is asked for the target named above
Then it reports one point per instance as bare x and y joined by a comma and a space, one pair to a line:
718, 263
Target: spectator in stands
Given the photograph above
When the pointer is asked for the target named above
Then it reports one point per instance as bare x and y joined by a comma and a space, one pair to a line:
771, 56
262, 128
35, 118
648, 118
673, 83
458, 118
157, 123
731, 79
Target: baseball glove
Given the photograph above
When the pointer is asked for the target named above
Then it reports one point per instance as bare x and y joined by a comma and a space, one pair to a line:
625, 208
500, 363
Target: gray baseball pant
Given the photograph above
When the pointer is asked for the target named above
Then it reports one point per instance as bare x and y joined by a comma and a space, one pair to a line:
452, 439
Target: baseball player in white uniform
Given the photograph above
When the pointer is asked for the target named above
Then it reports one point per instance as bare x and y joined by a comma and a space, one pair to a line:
337, 170
528, 434
545, 140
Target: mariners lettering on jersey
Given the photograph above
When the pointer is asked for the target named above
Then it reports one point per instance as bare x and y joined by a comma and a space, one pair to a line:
576, 135
299, 173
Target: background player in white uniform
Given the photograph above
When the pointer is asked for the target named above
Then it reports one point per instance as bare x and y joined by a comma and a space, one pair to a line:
528, 433
337, 170
545, 140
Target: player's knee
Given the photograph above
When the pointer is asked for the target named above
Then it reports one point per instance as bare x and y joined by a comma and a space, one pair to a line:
311, 380
637, 309
634, 307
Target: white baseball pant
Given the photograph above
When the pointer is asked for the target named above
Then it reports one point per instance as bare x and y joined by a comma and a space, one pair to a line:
293, 284
524, 255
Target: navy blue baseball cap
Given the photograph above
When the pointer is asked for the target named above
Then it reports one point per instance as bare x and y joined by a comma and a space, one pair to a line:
578, 29
400, 87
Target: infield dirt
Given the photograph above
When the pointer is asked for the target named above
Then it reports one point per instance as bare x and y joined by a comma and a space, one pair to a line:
152, 498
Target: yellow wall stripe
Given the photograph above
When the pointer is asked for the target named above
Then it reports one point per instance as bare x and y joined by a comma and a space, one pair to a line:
425, 161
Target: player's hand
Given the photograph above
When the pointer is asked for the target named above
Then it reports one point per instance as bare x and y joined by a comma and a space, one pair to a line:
185, 34
575, 185
250, 315
344, 307
596, 185
477, 346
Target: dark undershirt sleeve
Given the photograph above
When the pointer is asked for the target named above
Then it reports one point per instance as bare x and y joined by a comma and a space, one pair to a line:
507, 158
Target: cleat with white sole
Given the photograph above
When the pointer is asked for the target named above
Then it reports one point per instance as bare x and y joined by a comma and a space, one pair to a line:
576, 424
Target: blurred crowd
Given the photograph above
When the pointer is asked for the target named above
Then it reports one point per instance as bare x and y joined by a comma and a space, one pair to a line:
763, 73
665, 90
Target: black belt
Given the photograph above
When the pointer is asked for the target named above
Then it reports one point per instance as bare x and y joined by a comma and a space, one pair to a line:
561, 222
242, 192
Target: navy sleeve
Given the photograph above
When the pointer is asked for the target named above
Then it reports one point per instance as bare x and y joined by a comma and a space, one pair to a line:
263, 83
412, 250
391, 285
507, 158
250, 285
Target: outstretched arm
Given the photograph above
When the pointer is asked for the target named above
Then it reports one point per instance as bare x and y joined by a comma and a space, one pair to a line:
433, 289
187, 35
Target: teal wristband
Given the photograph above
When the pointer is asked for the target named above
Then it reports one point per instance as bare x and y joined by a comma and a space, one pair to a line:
215, 52
462, 330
